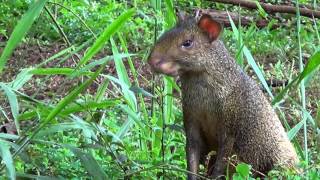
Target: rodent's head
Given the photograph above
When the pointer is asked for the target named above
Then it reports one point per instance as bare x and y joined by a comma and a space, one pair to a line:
181, 49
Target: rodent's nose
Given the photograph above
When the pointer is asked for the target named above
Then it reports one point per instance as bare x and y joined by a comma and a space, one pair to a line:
161, 64
155, 61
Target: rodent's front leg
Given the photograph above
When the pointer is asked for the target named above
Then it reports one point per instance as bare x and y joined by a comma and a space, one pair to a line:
224, 150
193, 148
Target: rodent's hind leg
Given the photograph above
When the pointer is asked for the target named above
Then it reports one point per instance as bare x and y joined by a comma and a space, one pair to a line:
224, 150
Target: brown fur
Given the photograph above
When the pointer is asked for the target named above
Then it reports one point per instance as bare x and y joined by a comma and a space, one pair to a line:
224, 109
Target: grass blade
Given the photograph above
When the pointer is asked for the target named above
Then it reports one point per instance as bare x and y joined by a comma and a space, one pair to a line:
21, 79
20, 30
54, 71
13, 101
129, 96
302, 86
85, 70
120, 68
90, 164
250, 59
293, 132
7, 159
86, 106
170, 16
107, 33
37, 177
312, 65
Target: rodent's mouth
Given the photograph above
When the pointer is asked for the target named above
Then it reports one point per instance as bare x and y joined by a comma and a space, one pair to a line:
166, 67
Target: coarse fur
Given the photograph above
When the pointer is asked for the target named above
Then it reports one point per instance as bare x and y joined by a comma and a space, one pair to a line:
224, 109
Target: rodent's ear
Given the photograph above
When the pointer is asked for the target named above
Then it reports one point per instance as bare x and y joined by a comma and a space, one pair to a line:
210, 26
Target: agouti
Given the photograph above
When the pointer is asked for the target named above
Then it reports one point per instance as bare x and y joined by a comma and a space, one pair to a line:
224, 110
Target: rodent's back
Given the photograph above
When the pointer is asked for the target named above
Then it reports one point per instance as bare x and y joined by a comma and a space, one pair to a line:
235, 99
260, 137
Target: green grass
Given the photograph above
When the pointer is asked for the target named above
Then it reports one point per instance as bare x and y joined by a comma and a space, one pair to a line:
119, 121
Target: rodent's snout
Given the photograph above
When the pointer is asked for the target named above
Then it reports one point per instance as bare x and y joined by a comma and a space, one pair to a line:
154, 61
161, 65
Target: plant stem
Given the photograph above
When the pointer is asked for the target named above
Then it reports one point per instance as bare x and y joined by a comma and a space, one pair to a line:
302, 86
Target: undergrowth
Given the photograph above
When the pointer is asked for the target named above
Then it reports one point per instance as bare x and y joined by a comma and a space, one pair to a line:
108, 116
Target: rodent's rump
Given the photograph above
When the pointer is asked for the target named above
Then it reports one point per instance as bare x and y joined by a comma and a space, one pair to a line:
224, 110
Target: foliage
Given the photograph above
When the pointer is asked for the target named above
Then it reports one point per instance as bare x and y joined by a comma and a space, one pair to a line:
242, 171
10, 11
116, 120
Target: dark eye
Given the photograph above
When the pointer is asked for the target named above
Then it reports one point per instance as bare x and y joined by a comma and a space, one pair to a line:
187, 44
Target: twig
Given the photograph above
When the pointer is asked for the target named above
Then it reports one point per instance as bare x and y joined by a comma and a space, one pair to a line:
77, 16
60, 30
161, 166
277, 83
273, 8
234, 162
222, 17
58, 26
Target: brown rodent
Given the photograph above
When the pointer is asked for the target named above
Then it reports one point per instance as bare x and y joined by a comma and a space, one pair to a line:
224, 110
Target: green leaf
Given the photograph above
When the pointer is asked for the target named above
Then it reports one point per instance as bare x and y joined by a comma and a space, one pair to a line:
108, 134
156, 4
103, 60
67, 100
282, 93
13, 101
120, 68
127, 93
140, 90
8, 136
86, 106
174, 85
250, 59
58, 128
54, 71
101, 90
59, 54
243, 169
72, 108
107, 33
20, 30
312, 65
89, 163
133, 117
7, 159
82, 71
293, 132
21, 79
262, 12
168, 100
170, 16
36, 177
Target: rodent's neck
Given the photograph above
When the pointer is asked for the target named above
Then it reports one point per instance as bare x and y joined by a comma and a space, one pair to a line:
220, 56
220, 70
220, 65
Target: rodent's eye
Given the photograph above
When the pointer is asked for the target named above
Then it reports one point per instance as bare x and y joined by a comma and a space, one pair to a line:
187, 44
